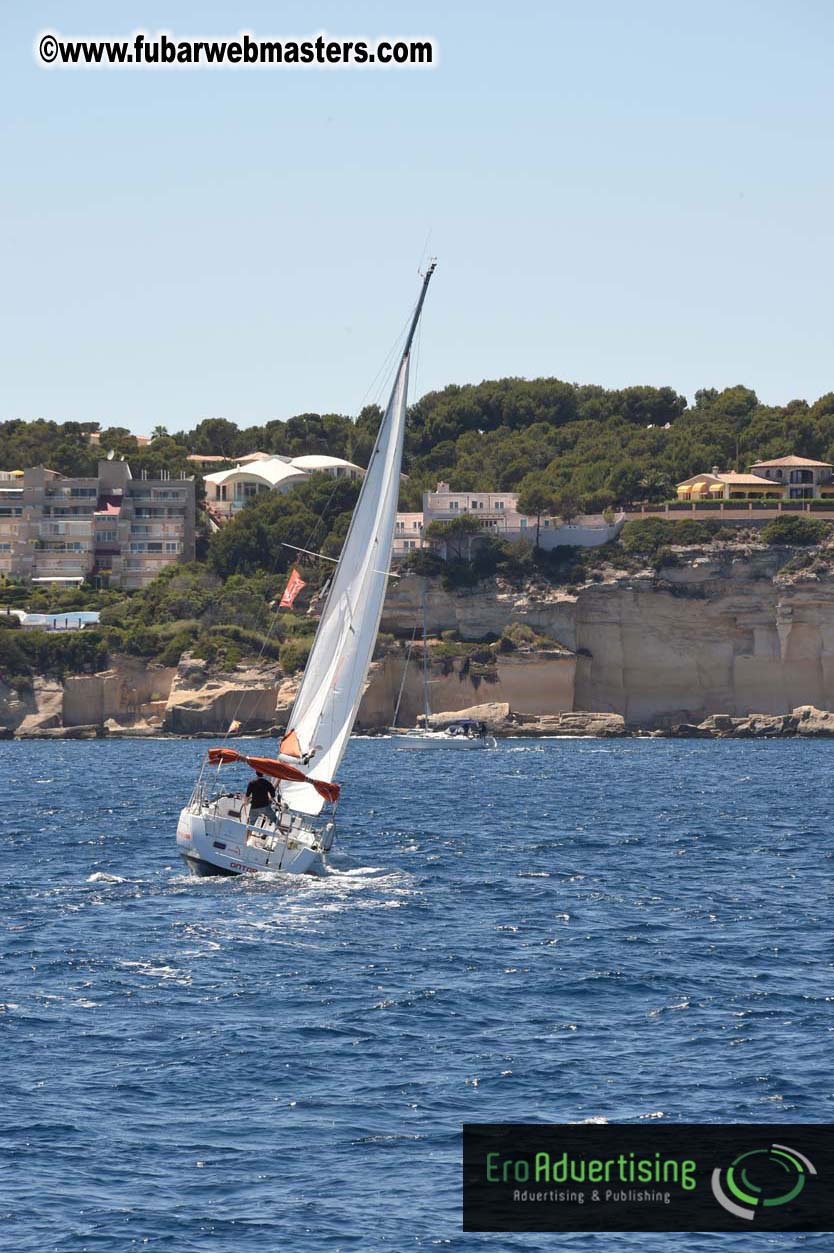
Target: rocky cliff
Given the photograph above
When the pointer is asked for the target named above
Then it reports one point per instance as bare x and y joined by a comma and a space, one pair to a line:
717, 633
723, 632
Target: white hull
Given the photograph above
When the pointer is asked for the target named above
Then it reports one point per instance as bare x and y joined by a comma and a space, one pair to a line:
213, 842
440, 739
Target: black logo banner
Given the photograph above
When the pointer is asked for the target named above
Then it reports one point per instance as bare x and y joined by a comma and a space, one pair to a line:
669, 1177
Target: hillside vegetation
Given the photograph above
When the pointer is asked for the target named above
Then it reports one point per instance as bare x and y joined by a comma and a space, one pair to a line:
602, 446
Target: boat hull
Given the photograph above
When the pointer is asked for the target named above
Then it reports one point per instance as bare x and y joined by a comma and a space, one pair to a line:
204, 869
436, 739
213, 844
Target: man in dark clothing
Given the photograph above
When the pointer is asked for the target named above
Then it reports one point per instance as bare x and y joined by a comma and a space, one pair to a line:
261, 795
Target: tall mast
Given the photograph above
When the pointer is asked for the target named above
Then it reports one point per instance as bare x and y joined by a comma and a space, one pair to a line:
419, 309
426, 709
406, 350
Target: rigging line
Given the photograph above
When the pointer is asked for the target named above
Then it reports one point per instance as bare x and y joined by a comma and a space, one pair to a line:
405, 671
320, 519
425, 251
391, 356
388, 360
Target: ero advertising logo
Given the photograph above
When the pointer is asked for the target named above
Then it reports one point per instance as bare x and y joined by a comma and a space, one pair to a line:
668, 1177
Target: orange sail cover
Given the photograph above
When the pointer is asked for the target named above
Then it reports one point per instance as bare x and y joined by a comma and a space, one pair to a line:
277, 769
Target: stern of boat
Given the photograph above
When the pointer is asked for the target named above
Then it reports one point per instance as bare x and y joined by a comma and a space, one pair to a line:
214, 839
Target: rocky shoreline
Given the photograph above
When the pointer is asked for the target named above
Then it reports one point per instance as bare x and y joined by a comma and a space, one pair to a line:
505, 723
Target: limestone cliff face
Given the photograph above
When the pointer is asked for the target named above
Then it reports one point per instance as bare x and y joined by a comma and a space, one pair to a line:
202, 701
520, 682
477, 612
715, 636
724, 632
130, 695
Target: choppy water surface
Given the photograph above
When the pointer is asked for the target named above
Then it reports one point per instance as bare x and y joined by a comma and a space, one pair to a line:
562, 930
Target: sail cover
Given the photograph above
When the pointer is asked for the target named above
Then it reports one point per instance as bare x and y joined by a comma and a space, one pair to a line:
334, 678
276, 769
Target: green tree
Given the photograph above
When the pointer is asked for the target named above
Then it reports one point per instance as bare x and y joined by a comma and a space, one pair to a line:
456, 534
792, 528
535, 497
567, 504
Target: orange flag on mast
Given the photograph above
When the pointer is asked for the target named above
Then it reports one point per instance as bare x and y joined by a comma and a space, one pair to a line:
294, 586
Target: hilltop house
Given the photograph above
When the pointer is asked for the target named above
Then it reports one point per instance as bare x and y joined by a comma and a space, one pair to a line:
498, 515
786, 478
229, 490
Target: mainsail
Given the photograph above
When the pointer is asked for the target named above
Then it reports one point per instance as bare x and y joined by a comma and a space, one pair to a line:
331, 689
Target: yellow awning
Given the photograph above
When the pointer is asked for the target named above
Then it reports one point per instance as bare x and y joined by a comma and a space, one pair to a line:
716, 487
698, 488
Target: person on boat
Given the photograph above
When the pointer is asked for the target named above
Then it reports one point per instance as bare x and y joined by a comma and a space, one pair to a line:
261, 795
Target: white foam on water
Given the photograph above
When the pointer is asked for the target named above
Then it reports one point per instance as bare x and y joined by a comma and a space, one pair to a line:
101, 876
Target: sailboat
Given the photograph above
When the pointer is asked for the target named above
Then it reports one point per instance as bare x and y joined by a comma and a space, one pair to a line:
295, 833
462, 733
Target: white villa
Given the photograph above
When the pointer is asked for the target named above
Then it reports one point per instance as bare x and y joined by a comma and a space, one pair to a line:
229, 490
498, 513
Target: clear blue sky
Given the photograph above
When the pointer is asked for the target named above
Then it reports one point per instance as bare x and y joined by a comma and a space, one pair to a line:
617, 193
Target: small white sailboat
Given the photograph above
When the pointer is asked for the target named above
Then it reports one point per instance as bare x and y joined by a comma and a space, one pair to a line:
460, 734
214, 834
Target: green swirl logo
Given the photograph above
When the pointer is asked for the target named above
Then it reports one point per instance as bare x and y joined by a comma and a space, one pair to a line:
761, 1179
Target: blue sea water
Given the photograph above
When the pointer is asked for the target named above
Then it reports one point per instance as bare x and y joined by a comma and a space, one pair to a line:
566, 930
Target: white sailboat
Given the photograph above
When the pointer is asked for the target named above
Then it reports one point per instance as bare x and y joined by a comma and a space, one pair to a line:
461, 734
214, 835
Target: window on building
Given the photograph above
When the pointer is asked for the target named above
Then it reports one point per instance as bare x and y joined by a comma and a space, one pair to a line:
172, 547
246, 491
453, 504
499, 504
